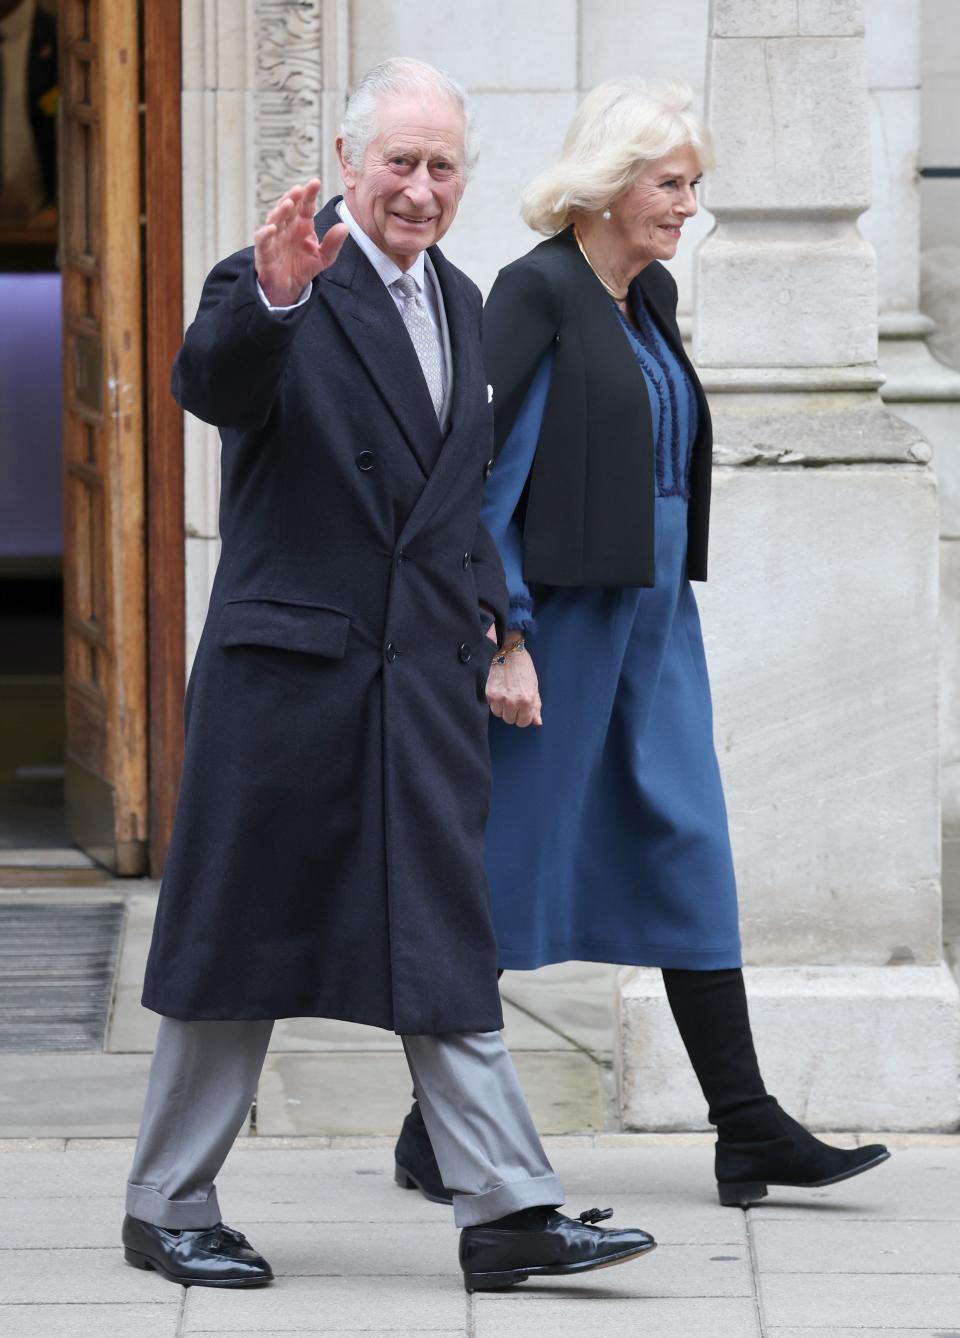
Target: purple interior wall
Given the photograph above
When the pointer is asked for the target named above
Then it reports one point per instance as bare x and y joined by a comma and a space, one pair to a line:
31, 464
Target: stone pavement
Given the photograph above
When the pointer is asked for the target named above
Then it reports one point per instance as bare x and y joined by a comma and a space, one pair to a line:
353, 1254
356, 1255
321, 1078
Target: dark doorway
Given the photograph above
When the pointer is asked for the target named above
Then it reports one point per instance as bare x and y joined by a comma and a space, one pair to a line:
31, 469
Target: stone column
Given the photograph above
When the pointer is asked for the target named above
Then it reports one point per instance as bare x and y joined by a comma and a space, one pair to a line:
918, 388
820, 615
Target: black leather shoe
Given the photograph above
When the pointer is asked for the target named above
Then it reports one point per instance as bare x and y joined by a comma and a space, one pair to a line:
415, 1165
494, 1256
789, 1155
214, 1257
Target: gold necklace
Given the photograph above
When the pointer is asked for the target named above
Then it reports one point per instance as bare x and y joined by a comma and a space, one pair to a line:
617, 297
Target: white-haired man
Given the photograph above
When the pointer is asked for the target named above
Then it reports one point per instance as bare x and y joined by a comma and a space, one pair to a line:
326, 858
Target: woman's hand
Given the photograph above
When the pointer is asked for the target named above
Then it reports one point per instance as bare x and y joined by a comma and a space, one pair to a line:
513, 692
287, 252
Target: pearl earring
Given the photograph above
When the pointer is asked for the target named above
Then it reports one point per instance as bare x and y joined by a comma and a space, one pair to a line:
606, 215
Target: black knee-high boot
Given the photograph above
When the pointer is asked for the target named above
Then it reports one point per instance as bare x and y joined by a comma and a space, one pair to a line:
758, 1143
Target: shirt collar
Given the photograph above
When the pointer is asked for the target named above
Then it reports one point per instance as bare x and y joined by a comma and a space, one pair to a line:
389, 272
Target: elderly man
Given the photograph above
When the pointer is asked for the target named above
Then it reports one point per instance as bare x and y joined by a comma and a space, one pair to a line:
327, 853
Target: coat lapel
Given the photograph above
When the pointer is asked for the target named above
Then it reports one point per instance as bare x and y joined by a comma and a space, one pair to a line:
370, 320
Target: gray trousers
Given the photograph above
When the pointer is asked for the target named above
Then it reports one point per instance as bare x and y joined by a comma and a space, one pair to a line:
203, 1079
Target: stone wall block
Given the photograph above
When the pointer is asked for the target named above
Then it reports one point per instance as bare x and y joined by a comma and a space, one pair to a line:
893, 43
788, 18
940, 38
820, 627
192, 45
784, 302
201, 466
777, 150
488, 232
500, 44
900, 1074
234, 40
755, 18
201, 558
655, 42
830, 18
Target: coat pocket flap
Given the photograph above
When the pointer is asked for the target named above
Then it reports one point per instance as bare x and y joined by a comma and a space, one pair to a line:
310, 629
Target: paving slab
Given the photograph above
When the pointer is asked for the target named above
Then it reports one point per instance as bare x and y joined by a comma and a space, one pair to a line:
133, 1029
47, 857
36, 1223
917, 1183
71, 1320
521, 1032
359, 1249
76, 1276
347, 1092
355, 1254
333, 1304
925, 1332
62, 1175
857, 1247
575, 998
67, 1095
554, 1313
861, 1300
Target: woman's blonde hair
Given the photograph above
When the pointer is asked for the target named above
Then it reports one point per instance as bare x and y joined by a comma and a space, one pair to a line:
617, 129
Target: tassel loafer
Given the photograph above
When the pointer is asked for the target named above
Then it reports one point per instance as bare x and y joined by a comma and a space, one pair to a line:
495, 1256
214, 1257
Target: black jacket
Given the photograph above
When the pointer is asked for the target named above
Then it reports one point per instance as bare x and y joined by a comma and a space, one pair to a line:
327, 853
589, 508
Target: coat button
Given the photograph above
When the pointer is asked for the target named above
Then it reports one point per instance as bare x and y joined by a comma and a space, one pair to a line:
465, 654
466, 561
365, 460
401, 557
391, 652
487, 468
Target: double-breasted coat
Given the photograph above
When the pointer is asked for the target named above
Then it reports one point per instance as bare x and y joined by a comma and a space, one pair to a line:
327, 852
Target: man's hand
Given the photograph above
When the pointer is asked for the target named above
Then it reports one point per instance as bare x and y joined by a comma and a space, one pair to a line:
513, 692
287, 252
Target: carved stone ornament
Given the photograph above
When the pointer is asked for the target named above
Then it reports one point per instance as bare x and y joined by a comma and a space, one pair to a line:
288, 82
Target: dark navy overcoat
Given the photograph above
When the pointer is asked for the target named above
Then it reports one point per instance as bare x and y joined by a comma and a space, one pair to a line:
327, 853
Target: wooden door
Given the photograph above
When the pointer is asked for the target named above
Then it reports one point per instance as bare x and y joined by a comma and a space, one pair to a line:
105, 561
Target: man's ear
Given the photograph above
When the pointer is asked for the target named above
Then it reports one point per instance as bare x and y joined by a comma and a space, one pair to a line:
347, 173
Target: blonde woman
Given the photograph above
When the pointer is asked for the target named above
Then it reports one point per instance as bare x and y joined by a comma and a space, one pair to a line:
608, 837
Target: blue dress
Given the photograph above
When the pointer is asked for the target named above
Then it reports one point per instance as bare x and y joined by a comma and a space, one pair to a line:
607, 839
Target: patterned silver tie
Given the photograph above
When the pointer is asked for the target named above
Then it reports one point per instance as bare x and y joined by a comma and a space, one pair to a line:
424, 337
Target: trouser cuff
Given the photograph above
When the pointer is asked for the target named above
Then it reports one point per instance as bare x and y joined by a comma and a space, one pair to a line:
533, 1192
149, 1205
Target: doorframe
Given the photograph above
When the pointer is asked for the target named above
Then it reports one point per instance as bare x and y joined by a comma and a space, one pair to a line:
163, 310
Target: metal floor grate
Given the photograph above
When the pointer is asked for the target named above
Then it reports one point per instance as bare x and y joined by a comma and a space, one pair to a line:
56, 975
